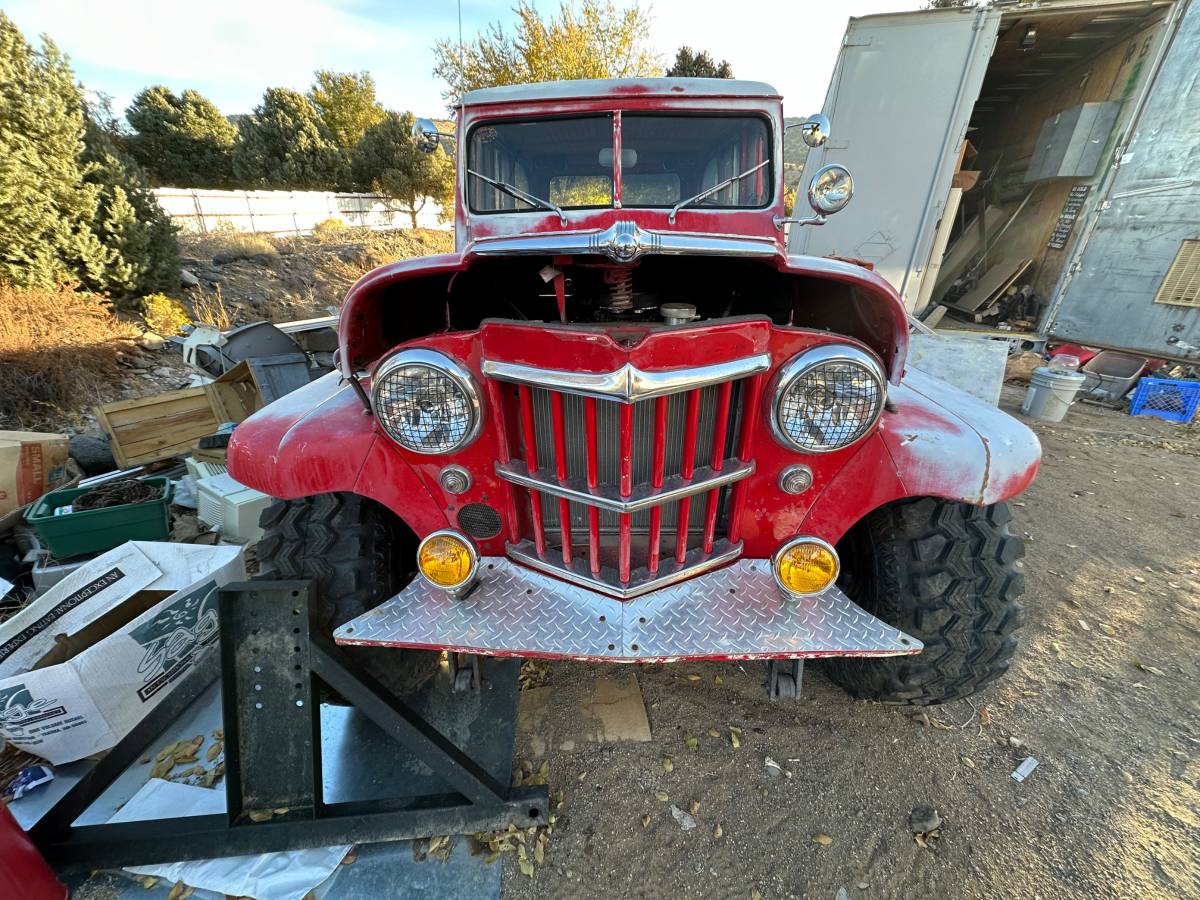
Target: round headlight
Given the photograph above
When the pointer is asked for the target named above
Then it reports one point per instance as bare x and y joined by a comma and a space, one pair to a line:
827, 398
830, 189
447, 560
425, 401
805, 565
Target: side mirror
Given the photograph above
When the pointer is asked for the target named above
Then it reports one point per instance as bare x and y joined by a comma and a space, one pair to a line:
426, 135
814, 130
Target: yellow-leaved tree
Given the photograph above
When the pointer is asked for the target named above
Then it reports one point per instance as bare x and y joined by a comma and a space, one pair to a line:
591, 39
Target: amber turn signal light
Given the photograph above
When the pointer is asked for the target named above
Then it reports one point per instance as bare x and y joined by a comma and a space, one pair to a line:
805, 565
447, 560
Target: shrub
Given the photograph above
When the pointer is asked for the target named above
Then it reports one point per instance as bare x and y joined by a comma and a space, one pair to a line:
230, 246
329, 229
164, 315
210, 309
58, 348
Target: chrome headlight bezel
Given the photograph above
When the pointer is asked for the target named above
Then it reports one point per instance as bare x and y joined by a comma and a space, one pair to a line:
804, 362
818, 186
444, 366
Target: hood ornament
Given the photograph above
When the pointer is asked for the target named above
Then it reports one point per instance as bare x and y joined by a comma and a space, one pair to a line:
624, 242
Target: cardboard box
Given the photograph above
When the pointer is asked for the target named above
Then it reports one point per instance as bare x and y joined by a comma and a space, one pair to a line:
89, 659
31, 463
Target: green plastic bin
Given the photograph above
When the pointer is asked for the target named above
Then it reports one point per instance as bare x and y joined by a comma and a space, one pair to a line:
97, 530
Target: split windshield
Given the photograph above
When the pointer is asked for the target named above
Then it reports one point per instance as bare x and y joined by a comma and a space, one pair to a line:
569, 162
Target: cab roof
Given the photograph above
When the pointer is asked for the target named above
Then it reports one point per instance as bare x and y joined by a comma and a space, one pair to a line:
620, 87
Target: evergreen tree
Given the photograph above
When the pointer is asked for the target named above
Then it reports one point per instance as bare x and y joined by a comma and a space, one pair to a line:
47, 208
388, 162
691, 63
182, 141
346, 103
284, 145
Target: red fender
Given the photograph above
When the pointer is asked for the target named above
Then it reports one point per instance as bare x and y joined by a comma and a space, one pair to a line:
956, 447
317, 440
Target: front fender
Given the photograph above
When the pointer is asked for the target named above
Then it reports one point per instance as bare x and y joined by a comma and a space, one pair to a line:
937, 441
317, 440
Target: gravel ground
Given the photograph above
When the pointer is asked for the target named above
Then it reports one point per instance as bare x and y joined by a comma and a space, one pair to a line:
1102, 694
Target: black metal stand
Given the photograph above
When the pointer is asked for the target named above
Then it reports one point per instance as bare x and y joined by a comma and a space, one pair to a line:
271, 661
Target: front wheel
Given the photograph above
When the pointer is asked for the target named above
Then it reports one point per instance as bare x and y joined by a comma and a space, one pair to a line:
358, 554
946, 573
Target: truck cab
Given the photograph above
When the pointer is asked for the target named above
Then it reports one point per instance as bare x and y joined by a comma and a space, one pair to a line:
622, 423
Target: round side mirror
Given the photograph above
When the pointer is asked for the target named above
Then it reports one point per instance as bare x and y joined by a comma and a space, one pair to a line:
830, 189
815, 130
425, 134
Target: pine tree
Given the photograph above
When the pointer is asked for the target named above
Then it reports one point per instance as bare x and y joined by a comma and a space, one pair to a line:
182, 141
691, 63
284, 145
388, 162
47, 209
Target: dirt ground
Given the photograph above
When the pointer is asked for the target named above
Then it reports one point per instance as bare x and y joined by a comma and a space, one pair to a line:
1103, 694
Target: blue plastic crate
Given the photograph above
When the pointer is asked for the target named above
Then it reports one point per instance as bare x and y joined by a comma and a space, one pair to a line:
1175, 401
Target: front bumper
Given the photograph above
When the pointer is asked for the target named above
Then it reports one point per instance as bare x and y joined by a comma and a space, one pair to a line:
737, 612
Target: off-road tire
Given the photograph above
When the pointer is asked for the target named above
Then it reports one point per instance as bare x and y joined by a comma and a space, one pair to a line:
945, 573
358, 555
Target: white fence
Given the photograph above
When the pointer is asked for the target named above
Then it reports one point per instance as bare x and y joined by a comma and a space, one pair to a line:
283, 212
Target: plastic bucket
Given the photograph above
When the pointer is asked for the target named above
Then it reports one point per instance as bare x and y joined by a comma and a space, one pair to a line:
1050, 394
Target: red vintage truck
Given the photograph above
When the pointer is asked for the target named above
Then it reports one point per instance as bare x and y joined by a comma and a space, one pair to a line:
621, 423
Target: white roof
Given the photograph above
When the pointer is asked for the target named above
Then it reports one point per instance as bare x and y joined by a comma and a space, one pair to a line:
601, 87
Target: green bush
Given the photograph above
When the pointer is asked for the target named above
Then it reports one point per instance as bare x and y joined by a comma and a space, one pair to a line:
232, 245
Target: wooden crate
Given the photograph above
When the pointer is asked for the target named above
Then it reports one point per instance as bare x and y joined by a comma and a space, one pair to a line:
157, 427
235, 395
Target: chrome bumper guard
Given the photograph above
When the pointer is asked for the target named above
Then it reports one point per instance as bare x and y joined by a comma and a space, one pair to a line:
737, 612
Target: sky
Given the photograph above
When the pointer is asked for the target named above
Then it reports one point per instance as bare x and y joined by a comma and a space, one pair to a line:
230, 50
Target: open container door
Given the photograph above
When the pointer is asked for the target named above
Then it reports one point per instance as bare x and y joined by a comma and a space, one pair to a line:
898, 105
1134, 283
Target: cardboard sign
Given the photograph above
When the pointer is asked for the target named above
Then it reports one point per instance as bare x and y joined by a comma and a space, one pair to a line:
31, 463
84, 663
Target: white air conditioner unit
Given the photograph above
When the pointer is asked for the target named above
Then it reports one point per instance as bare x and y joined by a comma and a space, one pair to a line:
231, 507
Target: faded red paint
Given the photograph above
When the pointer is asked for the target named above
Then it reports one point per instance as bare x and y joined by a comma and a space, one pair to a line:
930, 441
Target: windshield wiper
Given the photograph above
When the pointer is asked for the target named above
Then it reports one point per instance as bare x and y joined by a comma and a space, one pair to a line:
518, 194
712, 190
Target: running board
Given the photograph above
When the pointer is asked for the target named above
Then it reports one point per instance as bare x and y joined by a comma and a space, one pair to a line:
737, 612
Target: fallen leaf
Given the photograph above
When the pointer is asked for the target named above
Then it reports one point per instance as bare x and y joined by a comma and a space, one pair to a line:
259, 815
661, 796
161, 768
823, 839
694, 807
582, 775
718, 831
526, 867
148, 881
668, 764
218, 734
1139, 579
1076, 664
646, 820
1107, 629
1084, 625
180, 891
712, 732
985, 715
692, 742
693, 678
215, 750
968, 762
350, 858
539, 853
717, 679
544, 769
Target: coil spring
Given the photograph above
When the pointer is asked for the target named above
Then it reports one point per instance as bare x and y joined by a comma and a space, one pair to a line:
621, 289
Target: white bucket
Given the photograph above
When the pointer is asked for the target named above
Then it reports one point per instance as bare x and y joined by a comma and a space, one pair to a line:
1050, 394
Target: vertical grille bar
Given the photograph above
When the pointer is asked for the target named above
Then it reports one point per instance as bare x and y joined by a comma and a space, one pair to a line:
560, 465
510, 490
718, 461
593, 480
656, 479
626, 483
751, 394
531, 461
687, 468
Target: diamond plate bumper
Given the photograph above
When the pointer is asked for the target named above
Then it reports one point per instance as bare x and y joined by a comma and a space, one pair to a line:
734, 613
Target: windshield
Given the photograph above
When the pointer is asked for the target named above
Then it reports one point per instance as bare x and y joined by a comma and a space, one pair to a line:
664, 159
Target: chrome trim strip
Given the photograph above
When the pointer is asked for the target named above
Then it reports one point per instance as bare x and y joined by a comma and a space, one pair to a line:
628, 383
643, 497
625, 241
641, 582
